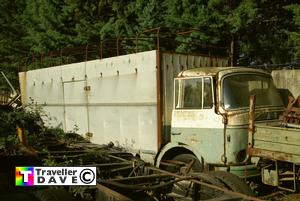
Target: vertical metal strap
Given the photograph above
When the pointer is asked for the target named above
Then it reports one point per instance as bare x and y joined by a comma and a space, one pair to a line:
251, 121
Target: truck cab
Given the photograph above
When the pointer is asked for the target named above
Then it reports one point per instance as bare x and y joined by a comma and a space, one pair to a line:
211, 112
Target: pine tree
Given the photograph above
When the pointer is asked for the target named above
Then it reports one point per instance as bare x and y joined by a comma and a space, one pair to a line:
12, 49
265, 41
294, 34
256, 31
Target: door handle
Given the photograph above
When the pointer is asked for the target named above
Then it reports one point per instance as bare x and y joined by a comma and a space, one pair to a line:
172, 133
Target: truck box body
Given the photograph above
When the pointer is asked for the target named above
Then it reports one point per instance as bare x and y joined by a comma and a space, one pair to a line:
126, 99
275, 142
287, 79
279, 148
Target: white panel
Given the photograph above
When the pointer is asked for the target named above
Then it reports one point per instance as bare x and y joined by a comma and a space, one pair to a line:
130, 127
147, 119
54, 116
287, 79
74, 93
44, 86
76, 119
75, 107
123, 89
75, 71
123, 101
135, 83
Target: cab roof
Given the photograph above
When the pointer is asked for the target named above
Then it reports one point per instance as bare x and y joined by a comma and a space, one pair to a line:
213, 71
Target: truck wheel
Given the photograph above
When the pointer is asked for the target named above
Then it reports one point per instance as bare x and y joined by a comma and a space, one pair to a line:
189, 190
187, 158
54, 194
232, 182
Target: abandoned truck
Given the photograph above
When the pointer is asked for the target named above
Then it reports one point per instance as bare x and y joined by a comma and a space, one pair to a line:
164, 107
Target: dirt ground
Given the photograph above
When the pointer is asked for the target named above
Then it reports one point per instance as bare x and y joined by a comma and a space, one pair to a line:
293, 197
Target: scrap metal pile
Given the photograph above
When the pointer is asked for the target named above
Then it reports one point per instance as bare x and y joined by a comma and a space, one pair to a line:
123, 176
291, 115
9, 97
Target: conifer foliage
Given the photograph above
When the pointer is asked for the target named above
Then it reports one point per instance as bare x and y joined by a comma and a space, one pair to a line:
257, 31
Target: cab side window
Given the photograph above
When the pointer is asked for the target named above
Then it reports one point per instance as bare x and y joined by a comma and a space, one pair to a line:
207, 94
193, 93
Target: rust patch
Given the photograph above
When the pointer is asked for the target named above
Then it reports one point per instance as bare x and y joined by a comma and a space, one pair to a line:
23, 87
272, 155
251, 120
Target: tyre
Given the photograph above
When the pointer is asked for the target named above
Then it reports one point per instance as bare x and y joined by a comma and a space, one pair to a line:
232, 182
187, 158
54, 195
189, 190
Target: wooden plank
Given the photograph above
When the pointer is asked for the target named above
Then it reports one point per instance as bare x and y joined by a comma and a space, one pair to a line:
272, 155
284, 136
277, 147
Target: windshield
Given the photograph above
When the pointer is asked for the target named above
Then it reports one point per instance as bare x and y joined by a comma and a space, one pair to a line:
238, 88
